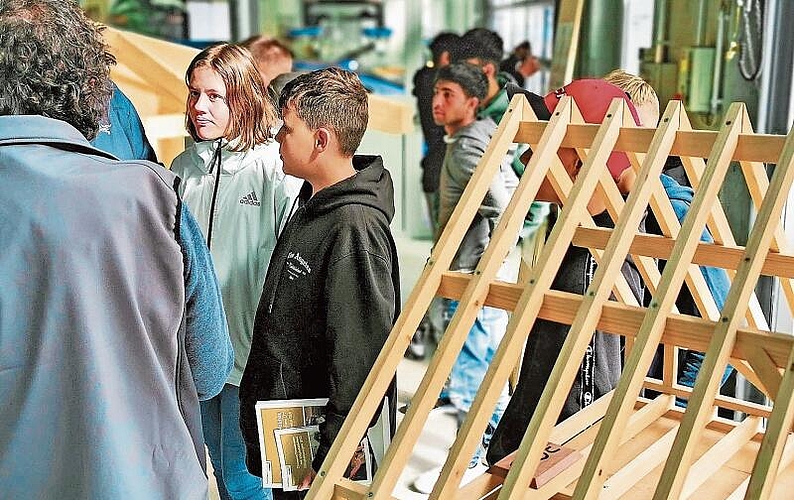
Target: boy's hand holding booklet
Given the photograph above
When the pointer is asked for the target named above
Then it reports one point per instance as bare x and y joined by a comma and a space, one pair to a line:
289, 437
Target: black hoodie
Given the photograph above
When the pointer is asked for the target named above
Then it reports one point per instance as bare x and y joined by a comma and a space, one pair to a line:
330, 298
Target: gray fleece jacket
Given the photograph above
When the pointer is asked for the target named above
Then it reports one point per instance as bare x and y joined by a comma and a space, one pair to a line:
464, 150
111, 324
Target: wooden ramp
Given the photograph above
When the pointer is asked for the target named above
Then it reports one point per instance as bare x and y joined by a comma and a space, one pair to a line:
630, 447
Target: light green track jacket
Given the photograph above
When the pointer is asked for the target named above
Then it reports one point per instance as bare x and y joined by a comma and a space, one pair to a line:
253, 203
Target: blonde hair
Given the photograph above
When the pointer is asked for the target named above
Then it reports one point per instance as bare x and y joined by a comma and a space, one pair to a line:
251, 114
640, 92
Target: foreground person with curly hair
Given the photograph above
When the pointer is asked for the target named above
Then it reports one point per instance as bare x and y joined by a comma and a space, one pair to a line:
111, 324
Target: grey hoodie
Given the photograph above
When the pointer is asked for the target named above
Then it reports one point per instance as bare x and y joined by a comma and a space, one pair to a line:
464, 150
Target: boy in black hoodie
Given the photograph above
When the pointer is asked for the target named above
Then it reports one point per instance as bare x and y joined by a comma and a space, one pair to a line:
332, 290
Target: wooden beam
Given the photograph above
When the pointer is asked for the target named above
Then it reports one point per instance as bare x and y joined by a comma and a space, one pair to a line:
680, 329
785, 461
563, 374
754, 409
719, 454
763, 366
706, 254
644, 416
380, 377
722, 342
566, 42
390, 114
695, 143
649, 335
639, 467
770, 456
506, 357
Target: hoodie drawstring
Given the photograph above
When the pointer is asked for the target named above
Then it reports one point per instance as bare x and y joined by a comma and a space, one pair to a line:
215, 162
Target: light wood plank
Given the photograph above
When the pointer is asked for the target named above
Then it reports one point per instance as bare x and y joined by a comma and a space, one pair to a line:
708, 379
598, 293
346, 489
743, 366
764, 368
640, 420
636, 366
511, 346
754, 352
785, 461
633, 472
706, 254
727, 402
758, 185
562, 184
566, 42
681, 330
695, 143
778, 429
471, 302
719, 454
379, 379
718, 223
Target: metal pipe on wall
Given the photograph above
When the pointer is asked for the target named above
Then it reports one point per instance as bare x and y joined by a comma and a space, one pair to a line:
700, 30
716, 87
775, 117
660, 31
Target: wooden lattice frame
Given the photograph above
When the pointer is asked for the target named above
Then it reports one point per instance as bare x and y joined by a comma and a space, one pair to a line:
675, 453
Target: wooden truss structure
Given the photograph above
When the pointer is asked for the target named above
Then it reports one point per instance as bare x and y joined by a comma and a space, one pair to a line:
630, 447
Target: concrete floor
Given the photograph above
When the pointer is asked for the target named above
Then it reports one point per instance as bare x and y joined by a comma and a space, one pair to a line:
439, 432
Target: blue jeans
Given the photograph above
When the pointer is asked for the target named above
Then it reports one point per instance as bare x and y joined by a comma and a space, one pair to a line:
693, 360
220, 418
469, 369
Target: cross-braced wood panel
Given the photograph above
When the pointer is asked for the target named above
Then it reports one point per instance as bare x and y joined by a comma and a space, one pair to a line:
630, 447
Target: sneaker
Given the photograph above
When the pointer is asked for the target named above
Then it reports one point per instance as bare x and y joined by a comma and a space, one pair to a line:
425, 481
416, 349
443, 405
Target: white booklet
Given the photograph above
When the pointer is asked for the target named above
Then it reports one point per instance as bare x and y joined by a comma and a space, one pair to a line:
289, 438
275, 415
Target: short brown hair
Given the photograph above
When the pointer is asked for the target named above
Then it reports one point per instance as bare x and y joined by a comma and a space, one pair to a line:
251, 115
265, 49
332, 98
